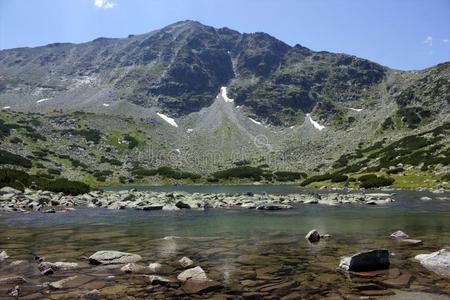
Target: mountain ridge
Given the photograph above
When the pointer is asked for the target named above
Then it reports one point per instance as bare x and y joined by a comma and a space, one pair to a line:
285, 106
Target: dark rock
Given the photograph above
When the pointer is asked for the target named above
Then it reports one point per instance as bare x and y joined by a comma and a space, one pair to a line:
182, 205
313, 236
366, 261
274, 207
152, 207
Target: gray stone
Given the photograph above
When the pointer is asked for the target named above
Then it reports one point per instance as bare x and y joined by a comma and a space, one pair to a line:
3, 255
113, 257
134, 268
399, 235
366, 261
196, 273
185, 262
437, 262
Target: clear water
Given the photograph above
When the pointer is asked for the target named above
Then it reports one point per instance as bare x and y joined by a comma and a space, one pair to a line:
251, 253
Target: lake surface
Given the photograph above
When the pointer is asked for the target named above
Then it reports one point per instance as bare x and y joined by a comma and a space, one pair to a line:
252, 254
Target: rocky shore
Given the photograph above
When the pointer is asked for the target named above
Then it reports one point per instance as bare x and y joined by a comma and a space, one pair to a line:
45, 201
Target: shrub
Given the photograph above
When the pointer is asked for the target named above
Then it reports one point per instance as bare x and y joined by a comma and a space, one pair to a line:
373, 181
395, 170
92, 135
111, 161
62, 185
240, 172
339, 178
131, 141
8, 158
14, 178
289, 176
316, 178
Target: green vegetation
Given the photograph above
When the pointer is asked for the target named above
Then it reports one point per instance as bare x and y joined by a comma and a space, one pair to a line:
165, 172
19, 179
243, 172
92, 135
373, 181
8, 158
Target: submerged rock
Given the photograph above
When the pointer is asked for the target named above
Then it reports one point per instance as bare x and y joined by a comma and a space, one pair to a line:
12, 280
274, 207
155, 267
70, 282
3, 255
193, 286
135, 268
437, 262
399, 235
196, 273
161, 280
57, 266
366, 261
313, 236
113, 257
185, 262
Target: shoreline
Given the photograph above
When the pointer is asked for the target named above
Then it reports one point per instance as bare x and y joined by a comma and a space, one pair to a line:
50, 202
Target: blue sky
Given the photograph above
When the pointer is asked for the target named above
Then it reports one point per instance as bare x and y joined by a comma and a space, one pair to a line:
402, 34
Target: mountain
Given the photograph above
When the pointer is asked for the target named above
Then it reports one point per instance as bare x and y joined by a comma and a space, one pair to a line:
284, 106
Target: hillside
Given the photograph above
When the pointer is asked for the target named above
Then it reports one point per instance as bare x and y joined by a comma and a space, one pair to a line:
200, 99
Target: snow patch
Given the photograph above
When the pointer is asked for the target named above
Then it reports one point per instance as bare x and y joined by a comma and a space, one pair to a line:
314, 123
189, 130
169, 120
6, 107
42, 100
355, 109
178, 150
292, 127
254, 121
106, 104
223, 92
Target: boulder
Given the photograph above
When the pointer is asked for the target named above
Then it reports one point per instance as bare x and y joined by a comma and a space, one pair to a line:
196, 273
182, 205
155, 267
113, 257
185, 262
3, 255
399, 235
313, 236
437, 262
366, 261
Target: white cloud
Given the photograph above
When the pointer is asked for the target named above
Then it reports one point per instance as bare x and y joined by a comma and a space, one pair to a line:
445, 41
104, 4
428, 41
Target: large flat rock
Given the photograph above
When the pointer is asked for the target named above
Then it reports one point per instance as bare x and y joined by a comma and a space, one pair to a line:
108, 257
